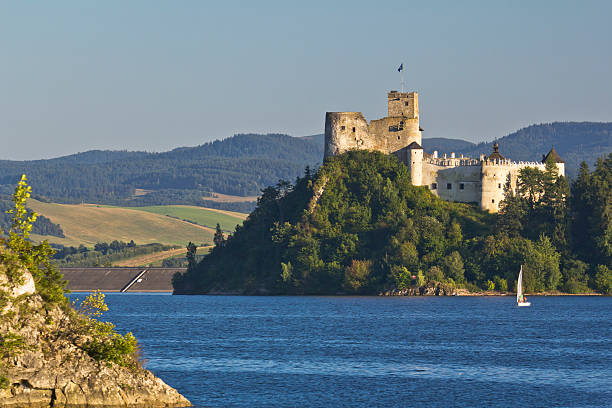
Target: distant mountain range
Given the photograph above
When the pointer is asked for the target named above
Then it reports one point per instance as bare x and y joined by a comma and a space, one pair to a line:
246, 163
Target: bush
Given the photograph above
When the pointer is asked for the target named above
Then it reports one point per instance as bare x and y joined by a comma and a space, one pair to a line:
603, 279
106, 344
5, 383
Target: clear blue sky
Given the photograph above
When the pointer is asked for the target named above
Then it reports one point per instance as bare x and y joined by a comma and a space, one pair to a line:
154, 75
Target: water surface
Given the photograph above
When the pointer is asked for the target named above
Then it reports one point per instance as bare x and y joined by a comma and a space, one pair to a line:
375, 351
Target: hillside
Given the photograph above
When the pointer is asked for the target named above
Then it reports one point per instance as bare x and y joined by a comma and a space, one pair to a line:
240, 165
357, 225
88, 224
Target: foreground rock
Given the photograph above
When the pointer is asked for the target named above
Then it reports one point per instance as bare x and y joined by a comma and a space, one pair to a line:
44, 365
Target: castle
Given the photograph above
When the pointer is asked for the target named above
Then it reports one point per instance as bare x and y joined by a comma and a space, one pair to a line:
460, 179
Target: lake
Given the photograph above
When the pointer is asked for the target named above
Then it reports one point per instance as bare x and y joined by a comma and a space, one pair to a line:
374, 351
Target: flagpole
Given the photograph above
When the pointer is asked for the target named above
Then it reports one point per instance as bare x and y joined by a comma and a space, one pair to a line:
402, 81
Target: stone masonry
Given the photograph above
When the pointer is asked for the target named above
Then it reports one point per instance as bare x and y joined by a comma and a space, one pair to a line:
460, 179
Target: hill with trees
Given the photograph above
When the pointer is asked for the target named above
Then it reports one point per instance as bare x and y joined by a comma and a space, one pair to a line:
245, 164
241, 165
358, 226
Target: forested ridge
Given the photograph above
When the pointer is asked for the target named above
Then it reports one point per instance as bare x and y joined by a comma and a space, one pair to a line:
358, 226
245, 164
241, 165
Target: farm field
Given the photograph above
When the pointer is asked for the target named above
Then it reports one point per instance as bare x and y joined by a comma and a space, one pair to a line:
156, 258
89, 223
206, 217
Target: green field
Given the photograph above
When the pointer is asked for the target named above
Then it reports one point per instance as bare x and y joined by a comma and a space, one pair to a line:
198, 215
89, 223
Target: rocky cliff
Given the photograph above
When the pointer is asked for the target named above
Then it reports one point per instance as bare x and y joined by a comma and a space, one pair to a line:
44, 362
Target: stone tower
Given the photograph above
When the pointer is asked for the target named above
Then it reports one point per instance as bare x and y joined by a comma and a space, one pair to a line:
392, 134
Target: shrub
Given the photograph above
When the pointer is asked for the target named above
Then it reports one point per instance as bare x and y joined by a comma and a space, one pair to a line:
105, 343
603, 279
5, 383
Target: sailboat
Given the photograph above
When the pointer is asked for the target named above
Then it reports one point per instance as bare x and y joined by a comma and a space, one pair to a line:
520, 298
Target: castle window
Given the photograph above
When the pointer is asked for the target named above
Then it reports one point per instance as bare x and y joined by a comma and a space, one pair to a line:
498, 185
342, 127
449, 186
434, 186
406, 103
353, 129
461, 186
493, 201
398, 138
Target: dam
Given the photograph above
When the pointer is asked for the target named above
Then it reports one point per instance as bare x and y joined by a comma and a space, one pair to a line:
120, 279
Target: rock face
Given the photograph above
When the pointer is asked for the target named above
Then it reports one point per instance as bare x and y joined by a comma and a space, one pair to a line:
48, 367
430, 289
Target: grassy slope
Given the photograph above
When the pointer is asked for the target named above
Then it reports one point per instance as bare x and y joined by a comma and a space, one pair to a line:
88, 224
198, 215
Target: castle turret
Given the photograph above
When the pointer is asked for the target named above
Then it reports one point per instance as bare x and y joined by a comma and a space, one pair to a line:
416, 163
345, 131
556, 159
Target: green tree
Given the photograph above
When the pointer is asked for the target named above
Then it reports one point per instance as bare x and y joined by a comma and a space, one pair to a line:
191, 255
453, 265
36, 258
356, 275
512, 212
603, 279
219, 237
541, 266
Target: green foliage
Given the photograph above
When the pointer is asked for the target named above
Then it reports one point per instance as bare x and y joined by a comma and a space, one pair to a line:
5, 383
592, 206
356, 275
420, 280
105, 344
361, 207
240, 165
603, 279
490, 285
103, 253
11, 344
575, 277
356, 225
36, 258
541, 266
501, 284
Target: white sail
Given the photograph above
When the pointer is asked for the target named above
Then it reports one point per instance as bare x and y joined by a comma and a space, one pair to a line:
519, 286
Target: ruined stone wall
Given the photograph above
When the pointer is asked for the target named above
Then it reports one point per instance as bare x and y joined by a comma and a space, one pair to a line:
345, 131
350, 130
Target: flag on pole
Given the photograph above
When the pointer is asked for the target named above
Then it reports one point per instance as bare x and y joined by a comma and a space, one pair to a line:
401, 67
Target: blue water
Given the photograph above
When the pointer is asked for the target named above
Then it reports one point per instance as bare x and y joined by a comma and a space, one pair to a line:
374, 351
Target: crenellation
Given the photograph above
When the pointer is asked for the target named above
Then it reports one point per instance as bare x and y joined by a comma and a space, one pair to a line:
452, 178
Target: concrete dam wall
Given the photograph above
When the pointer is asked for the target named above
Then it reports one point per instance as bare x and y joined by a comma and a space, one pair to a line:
120, 279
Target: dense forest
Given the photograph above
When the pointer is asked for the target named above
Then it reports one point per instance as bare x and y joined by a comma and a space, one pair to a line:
241, 165
245, 164
358, 226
